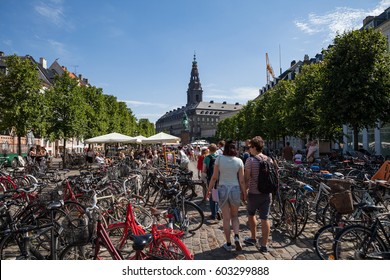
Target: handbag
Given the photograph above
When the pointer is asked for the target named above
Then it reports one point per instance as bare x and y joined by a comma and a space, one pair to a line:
214, 195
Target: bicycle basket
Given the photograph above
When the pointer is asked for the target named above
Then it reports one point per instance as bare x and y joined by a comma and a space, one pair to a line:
337, 185
76, 230
342, 202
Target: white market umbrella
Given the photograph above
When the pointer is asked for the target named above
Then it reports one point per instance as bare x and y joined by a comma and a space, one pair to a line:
110, 138
139, 138
161, 138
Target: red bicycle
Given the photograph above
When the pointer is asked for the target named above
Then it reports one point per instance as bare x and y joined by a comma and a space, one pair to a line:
114, 243
133, 243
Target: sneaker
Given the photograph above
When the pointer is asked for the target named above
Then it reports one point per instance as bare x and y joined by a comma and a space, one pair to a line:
211, 217
219, 216
237, 243
228, 248
264, 249
250, 241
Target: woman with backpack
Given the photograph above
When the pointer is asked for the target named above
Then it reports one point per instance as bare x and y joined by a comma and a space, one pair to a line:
229, 171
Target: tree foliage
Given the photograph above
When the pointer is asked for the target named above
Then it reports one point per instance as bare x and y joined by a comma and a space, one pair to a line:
356, 88
67, 108
20, 95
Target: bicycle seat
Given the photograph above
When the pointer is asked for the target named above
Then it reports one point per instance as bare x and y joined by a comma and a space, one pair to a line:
141, 241
55, 205
156, 212
171, 192
372, 208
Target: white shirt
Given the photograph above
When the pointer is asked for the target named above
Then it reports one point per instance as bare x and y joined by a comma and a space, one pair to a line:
228, 168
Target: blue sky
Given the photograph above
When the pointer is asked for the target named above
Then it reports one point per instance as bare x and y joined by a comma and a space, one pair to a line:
142, 51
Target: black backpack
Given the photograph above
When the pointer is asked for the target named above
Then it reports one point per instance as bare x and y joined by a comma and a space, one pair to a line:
210, 168
268, 179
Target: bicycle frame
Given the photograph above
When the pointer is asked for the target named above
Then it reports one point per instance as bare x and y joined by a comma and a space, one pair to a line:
103, 238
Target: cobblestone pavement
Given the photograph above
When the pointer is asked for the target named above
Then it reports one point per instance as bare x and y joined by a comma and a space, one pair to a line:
206, 243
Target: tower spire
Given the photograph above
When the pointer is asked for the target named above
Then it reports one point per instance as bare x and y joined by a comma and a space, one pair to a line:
194, 92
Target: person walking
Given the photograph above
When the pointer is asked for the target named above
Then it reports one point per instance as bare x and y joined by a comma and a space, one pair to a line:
229, 170
200, 158
208, 169
311, 151
255, 199
288, 152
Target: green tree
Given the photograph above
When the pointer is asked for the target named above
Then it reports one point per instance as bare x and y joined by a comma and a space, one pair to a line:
275, 110
95, 113
67, 109
303, 113
113, 113
146, 128
356, 89
20, 95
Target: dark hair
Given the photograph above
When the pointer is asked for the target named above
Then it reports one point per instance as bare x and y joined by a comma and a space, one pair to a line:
230, 149
258, 143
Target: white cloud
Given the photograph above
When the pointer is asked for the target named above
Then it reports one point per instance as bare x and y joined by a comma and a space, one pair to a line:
59, 48
240, 94
143, 103
53, 11
339, 20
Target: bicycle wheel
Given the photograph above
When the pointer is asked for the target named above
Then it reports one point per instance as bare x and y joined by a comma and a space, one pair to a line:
302, 212
86, 252
319, 207
276, 209
142, 216
169, 247
355, 243
192, 218
10, 248
323, 241
120, 240
290, 219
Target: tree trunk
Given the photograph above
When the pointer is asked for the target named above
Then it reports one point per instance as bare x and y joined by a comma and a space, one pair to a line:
64, 155
355, 139
19, 145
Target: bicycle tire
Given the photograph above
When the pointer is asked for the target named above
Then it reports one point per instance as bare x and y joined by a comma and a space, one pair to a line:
323, 241
302, 212
142, 216
290, 219
123, 244
319, 208
85, 252
354, 243
10, 248
193, 215
276, 209
169, 247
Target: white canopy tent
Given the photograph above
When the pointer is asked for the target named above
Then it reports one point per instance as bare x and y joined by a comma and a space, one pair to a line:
111, 138
161, 138
139, 138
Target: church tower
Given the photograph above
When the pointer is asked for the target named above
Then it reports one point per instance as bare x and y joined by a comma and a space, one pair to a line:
194, 92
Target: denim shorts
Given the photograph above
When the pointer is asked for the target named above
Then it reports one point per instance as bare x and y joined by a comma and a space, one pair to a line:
229, 194
261, 202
